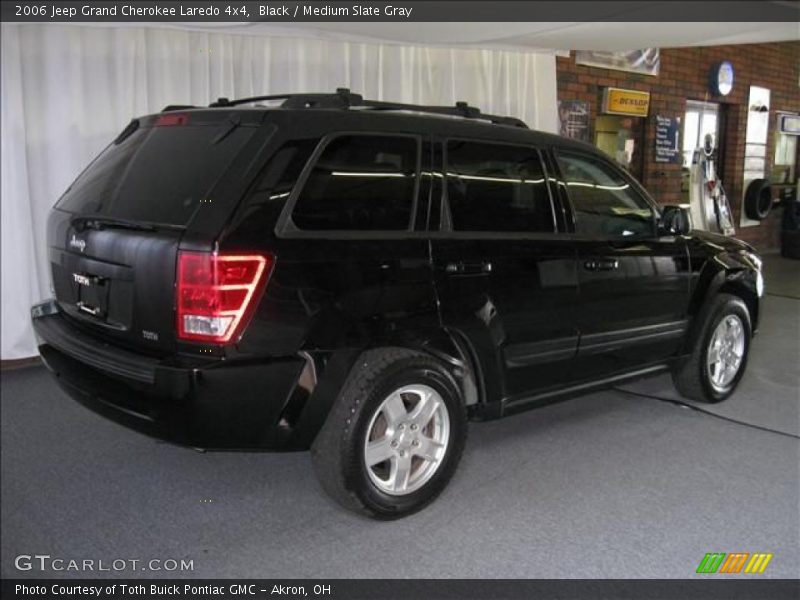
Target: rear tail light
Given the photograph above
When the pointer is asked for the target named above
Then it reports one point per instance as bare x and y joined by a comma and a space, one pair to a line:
217, 292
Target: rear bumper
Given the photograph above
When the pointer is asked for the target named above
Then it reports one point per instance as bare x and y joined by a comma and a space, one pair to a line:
230, 404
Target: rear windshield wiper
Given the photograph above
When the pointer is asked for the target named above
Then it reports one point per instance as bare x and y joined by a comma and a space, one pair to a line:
99, 223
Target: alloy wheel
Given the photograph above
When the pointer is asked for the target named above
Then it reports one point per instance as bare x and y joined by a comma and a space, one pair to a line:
725, 352
406, 439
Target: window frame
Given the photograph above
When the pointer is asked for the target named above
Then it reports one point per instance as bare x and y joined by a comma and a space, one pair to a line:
285, 226
625, 176
446, 221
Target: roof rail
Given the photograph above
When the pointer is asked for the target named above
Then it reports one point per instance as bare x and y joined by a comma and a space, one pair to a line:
344, 99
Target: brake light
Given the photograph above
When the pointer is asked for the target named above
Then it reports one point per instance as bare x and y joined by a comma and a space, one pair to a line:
217, 292
170, 120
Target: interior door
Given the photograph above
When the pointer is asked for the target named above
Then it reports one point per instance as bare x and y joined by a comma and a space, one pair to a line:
634, 284
505, 278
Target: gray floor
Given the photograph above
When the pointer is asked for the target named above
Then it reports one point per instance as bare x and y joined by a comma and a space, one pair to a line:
606, 485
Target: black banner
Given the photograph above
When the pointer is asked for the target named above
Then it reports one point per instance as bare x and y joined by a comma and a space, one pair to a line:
400, 11
398, 589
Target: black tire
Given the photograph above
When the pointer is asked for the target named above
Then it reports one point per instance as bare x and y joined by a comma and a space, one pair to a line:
758, 199
691, 377
338, 451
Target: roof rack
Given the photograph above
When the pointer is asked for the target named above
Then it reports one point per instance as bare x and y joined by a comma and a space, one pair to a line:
344, 99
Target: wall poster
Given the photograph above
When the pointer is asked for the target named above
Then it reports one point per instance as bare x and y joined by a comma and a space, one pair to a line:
573, 119
668, 147
646, 61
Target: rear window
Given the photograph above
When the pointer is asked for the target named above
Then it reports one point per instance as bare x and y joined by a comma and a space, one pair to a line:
157, 174
360, 183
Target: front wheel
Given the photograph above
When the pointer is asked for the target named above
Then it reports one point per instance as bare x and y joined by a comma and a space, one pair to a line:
718, 360
395, 435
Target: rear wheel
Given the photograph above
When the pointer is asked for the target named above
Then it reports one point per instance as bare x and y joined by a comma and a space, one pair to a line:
394, 436
718, 360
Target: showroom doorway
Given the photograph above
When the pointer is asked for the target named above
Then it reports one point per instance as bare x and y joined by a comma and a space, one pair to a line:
703, 118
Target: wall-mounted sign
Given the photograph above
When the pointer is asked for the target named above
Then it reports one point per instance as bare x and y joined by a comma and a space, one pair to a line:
668, 148
789, 124
646, 61
573, 119
633, 103
720, 78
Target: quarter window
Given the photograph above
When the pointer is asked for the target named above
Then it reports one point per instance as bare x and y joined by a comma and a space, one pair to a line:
360, 183
605, 203
494, 187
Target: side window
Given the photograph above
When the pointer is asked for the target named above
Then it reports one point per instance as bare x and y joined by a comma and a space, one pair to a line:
273, 187
496, 187
360, 183
605, 203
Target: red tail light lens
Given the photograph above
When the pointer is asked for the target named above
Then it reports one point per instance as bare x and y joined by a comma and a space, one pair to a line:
216, 293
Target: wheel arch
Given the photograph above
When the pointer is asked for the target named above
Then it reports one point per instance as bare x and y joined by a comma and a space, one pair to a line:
332, 369
452, 349
736, 279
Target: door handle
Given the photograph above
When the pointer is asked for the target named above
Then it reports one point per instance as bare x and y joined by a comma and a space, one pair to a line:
468, 268
601, 265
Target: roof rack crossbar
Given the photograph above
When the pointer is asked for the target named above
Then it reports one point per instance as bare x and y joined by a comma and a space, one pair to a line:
343, 98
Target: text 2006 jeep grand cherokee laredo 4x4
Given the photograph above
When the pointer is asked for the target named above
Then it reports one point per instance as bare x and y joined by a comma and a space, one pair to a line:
361, 278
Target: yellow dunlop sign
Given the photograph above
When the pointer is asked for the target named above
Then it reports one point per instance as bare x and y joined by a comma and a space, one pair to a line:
632, 103
719, 562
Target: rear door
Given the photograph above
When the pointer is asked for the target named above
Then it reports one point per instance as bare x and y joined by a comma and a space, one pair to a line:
114, 234
634, 283
505, 278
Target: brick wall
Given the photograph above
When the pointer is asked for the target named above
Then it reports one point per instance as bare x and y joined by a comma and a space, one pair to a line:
684, 76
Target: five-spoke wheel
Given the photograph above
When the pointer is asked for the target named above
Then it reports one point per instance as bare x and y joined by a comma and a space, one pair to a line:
725, 352
718, 356
406, 439
395, 435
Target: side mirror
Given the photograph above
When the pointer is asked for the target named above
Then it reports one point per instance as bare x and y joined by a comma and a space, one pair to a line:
675, 220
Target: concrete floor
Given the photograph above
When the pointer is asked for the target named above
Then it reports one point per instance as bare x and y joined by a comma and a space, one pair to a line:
609, 485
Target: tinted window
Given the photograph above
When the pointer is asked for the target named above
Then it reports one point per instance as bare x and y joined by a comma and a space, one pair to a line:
157, 174
274, 186
493, 187
362, 183
605, 203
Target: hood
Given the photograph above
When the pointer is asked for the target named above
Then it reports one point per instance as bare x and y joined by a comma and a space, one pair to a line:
728, 244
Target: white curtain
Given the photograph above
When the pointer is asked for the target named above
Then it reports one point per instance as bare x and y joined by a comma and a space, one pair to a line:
68, 90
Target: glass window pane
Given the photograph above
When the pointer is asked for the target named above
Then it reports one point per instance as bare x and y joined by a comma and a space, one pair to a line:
605, 203
494, 187
690, 128
132, 180
360, 183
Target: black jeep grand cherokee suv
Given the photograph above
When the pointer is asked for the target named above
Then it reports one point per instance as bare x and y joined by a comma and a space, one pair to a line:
361, 278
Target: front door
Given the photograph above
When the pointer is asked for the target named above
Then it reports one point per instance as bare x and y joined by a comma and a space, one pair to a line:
634, 283
505, 278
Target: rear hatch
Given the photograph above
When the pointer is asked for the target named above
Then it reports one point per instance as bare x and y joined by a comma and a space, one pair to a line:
114, 234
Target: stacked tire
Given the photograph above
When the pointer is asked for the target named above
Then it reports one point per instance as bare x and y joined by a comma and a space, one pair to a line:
758, 199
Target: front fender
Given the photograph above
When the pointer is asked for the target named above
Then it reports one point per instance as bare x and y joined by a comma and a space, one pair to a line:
726, 272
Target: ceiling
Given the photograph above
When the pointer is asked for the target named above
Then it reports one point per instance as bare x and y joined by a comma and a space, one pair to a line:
559, 36
552, 36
